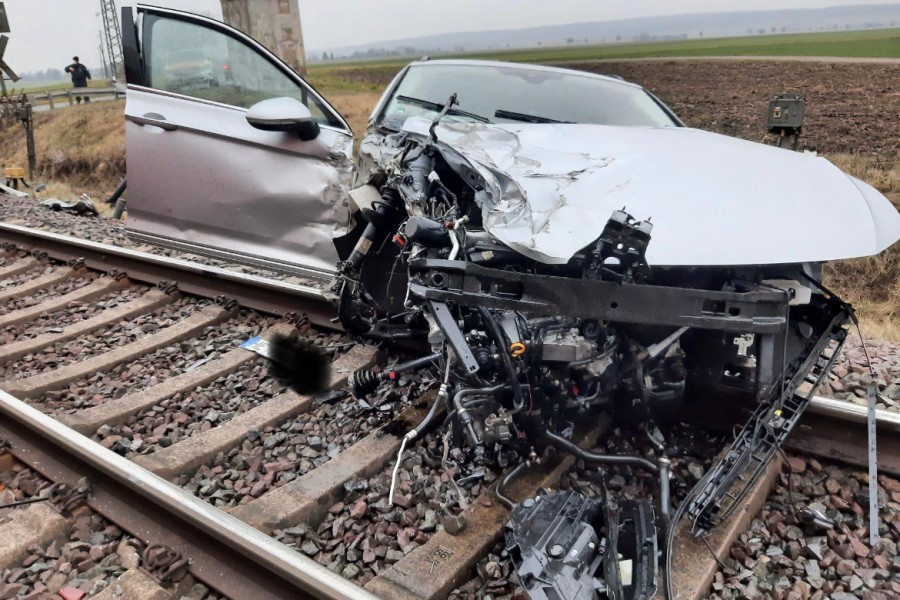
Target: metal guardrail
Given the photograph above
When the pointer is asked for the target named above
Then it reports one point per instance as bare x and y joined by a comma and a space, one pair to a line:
69, 95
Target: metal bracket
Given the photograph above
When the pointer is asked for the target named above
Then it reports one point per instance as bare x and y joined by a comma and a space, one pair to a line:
467, 284
296, 319
226, 302
66, 498
76, 263
455, 337
165, 564
764, 434
117, 275
169, 287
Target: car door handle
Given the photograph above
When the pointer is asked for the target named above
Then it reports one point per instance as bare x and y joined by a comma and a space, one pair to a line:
155, 120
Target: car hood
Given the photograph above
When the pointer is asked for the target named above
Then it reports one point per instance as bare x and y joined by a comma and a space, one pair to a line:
713, 200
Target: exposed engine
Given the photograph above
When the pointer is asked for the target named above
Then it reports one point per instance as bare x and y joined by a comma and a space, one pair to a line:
530, 352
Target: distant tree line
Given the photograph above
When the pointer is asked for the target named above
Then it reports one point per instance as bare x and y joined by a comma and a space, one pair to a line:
51, 74
641, 37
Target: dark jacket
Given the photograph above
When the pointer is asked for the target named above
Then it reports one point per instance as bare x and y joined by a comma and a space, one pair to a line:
79, 73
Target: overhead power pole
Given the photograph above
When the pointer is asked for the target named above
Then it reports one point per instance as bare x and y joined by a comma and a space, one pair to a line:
106, 74
113, 34
273, 23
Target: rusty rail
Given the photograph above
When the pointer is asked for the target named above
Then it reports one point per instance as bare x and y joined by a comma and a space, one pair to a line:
258, 293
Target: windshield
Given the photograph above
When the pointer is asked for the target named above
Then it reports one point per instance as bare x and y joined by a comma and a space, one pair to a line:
187, 56
502, 94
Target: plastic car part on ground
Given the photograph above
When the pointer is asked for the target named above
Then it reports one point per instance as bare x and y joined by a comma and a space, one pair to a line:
82, 206
566, 545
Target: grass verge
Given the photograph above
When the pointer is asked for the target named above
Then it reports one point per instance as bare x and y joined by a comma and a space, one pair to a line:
81, 146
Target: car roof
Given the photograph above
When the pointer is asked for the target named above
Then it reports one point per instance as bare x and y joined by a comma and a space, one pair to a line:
425, 62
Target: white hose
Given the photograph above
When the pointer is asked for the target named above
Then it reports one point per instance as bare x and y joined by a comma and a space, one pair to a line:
454, 239
455, 242
412, 435
397, 466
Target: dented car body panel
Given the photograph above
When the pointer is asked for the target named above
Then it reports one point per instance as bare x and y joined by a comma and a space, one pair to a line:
204, 180
285, 201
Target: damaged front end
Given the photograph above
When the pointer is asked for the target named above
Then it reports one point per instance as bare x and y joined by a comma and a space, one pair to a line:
534, 349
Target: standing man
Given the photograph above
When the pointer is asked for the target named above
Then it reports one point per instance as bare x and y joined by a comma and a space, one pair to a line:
80, 76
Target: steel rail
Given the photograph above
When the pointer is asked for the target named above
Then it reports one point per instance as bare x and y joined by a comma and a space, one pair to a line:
846, 411
226, 553
838, 430
251, 291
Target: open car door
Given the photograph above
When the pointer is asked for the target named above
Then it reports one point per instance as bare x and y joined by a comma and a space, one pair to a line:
230, 153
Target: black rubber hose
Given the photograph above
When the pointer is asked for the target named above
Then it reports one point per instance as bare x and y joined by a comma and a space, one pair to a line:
116, 194
504, 481
565, 445
500, 340
432, 413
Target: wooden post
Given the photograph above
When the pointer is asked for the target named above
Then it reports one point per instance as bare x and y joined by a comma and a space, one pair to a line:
50, 100
69, 96
29, 140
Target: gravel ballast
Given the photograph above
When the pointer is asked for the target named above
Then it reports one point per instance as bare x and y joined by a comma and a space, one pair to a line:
784, 555
18, 484
94, 555
270, 458
186, 414
57, 321
60, 289
154, 368
98, 342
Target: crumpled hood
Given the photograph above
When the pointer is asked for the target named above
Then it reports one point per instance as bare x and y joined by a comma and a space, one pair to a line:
712, 199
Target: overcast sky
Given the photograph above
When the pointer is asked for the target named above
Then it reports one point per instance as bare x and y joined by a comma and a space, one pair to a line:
47, 33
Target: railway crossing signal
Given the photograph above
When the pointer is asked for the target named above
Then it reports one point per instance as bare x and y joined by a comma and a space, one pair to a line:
5, 70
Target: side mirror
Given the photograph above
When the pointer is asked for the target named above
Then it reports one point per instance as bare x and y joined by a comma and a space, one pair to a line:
284, 114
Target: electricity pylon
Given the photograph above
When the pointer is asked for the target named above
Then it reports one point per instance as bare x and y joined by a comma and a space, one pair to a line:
113, 34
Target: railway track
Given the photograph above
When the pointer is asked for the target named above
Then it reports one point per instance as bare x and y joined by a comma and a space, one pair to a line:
125, 389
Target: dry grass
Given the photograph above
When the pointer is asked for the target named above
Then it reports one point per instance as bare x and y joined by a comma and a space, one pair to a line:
82, 146
356, 108
82, 150
872, 284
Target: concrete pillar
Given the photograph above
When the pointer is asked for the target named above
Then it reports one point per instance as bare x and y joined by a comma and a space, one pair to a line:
273, 23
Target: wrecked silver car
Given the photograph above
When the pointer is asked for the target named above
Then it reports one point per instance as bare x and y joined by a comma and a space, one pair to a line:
560, 242
514, 250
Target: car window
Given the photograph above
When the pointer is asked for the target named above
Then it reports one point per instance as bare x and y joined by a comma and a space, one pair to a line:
502, 94
201, 62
